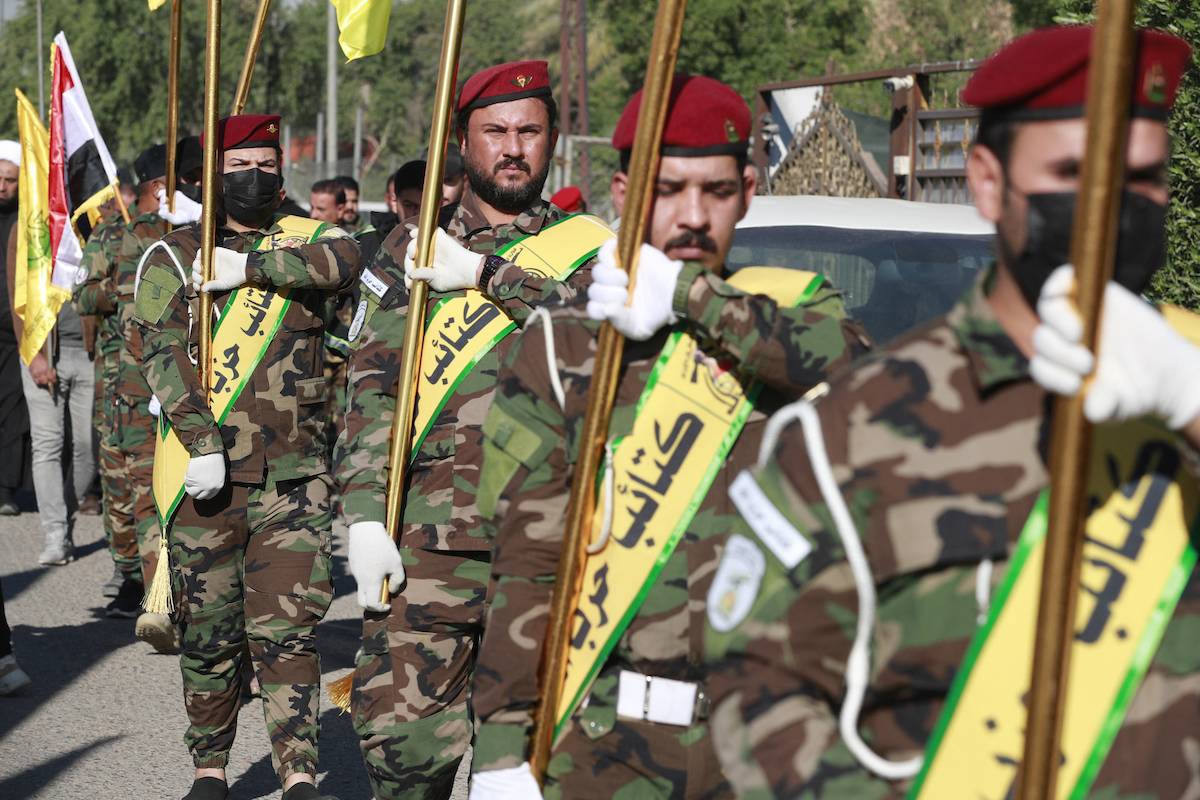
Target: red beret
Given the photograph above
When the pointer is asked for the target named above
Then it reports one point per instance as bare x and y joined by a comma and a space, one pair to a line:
505, 82
704, 118
568, 198
1043, 74
247, 130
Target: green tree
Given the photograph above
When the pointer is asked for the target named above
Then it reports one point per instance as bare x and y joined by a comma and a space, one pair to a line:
1179, 282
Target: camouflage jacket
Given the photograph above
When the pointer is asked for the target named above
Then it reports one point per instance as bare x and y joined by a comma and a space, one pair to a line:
939, 444
440, 510
96, 295
276, 427
143, 231
529, 451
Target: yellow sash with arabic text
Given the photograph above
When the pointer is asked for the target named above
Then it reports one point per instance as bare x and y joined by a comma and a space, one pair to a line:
687, 420
245, 329
1138, 556
461, 330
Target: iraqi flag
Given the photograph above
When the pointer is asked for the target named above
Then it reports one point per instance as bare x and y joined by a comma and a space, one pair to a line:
82, 173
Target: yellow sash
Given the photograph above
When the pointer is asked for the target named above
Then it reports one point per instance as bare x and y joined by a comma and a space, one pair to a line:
463, 329
245, 329
688, 418
1137, 559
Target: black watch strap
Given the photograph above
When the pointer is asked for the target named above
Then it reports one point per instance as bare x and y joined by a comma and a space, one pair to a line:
491, 265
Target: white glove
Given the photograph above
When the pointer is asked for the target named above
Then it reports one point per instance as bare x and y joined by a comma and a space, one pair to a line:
374, 557
155, 406
1145, 366
653, 296
205, 476
229, 271
454, 266
186, 211
514, 783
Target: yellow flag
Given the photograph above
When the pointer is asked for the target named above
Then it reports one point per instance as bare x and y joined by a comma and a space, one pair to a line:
362, 25
156, 4
35, 299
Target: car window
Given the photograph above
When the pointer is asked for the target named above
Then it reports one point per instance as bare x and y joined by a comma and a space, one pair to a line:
892, 280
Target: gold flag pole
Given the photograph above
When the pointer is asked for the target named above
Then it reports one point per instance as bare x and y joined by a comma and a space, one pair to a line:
643, 169
414, 331
173, 99
252, 47
208, 215
1093, 252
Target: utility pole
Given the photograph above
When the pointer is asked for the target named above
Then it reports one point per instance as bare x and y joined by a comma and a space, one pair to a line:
358, 135
41, 65
572, 46
331, 90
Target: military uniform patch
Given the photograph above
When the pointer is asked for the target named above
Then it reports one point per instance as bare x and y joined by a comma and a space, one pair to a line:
736, 584
360, 316
772, 527
374, 283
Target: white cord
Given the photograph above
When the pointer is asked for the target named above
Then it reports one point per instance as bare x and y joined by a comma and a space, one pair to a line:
983, 590
137, 281
607, 517
858, 666
551, 354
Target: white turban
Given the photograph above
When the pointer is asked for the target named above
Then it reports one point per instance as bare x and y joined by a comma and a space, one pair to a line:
10, 151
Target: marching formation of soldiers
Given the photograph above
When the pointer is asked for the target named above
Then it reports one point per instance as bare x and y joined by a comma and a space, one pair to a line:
802, 548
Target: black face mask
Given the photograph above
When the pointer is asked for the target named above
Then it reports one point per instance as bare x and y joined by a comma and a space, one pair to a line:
191, 191
1141, 242
251, 196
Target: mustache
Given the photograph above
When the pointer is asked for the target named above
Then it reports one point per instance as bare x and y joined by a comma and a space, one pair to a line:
512, 163
693, 239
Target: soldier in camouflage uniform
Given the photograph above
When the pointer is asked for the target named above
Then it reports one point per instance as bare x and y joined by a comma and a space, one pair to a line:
251, 541
938, 446
410, 686
95, 296
704, 187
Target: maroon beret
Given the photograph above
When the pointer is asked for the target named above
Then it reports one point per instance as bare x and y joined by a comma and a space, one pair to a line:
704, 118
505, 82
568, 198
247, 130
1043, 74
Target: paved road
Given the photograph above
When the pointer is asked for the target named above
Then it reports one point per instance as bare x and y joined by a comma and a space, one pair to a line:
104, 718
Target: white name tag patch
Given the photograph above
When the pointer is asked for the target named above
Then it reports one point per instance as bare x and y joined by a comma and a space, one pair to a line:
772, 527
360, 316
736, 584
372, 282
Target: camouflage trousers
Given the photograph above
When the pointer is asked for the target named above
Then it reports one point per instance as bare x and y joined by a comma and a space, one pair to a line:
135, 436
252, 565
601, 755
411, 682
116, 486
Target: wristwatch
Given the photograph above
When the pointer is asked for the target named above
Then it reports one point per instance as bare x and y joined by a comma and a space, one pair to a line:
491, 265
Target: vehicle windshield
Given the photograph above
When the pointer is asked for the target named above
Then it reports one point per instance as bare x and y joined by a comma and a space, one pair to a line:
892, 280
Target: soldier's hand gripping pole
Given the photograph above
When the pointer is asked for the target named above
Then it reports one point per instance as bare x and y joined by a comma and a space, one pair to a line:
173, 99
414, 332
643, 171
1093, 252
252, 48
208, 218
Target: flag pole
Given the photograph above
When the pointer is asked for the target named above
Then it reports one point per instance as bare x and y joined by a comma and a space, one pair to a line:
173, 100
252, 47
414, 332
1093, 252
643, 169
208, 214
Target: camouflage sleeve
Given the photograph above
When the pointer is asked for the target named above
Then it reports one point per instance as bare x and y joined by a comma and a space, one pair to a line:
373, 368
96, 295
329, 263
523, 492
162, 313
520, 293
780, 623
789, 349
